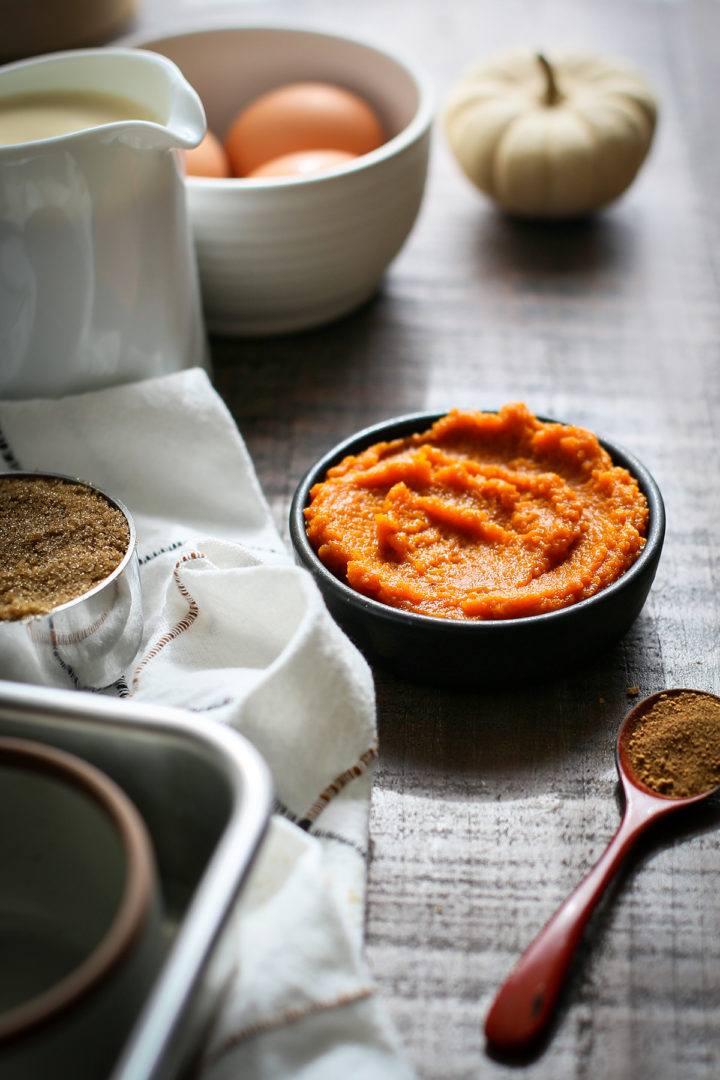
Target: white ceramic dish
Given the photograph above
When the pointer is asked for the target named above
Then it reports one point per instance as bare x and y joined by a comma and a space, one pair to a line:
283, 255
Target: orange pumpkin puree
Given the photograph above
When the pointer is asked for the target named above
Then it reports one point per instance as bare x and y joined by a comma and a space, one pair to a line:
483, 516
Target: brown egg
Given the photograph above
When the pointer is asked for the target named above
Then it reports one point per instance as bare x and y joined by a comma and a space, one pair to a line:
301, 116
208, 158
302, 163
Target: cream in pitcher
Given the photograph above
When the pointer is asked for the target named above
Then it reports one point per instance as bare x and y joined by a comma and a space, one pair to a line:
98, 279
28, 117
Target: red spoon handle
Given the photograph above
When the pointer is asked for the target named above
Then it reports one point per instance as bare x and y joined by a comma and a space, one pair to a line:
525, 1002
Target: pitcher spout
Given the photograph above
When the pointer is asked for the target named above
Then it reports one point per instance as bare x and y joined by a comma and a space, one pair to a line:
186, 122
163, 111
165, 92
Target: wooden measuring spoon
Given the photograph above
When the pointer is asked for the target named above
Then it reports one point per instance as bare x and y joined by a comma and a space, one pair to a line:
524, 1004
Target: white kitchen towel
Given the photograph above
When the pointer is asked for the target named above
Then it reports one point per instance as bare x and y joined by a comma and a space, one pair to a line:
235, 631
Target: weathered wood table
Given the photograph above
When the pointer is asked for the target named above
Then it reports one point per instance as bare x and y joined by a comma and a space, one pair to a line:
488, 807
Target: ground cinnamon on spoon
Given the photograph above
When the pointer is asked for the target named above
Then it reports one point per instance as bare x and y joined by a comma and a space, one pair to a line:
675, 748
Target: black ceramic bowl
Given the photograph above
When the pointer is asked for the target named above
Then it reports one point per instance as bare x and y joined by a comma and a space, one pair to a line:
488, 653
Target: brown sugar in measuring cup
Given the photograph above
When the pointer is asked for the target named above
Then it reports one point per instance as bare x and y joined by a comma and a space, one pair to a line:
59, 539
70, 598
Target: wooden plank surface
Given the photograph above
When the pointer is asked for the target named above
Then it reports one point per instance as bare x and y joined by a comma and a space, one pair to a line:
489, 807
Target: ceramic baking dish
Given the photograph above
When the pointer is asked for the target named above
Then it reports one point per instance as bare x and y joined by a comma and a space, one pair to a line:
206, 795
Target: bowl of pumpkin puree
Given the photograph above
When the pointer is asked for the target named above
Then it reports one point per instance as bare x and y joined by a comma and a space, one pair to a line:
480, 548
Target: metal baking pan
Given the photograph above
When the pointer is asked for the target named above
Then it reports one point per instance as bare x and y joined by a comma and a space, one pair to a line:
206, 796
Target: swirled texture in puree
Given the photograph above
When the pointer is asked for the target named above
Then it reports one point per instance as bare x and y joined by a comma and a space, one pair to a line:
484, 516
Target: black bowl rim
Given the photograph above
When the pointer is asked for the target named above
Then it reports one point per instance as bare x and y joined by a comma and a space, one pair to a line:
399, 426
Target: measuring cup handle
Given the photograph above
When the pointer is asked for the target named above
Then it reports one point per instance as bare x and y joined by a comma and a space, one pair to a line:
525, 1002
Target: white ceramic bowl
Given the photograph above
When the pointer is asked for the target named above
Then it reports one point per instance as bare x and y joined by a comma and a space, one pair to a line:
283, 255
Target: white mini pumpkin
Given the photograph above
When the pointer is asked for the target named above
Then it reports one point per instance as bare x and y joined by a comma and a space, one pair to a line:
550, 139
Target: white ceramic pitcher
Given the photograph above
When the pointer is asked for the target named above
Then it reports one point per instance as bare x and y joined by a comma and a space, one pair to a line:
98, 279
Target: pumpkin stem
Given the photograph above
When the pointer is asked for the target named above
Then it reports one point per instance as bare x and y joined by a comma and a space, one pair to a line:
552, 95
